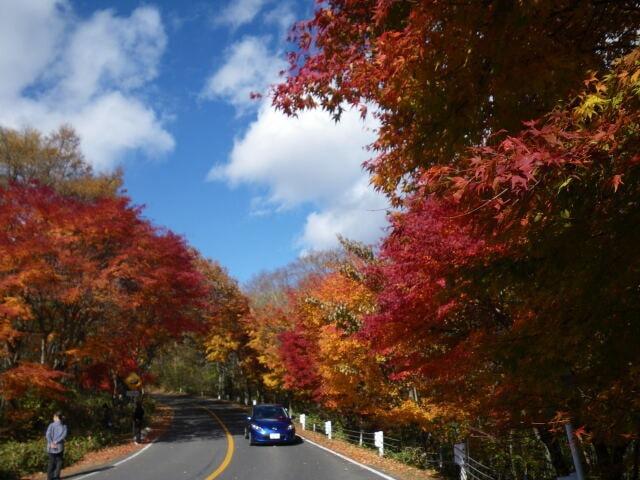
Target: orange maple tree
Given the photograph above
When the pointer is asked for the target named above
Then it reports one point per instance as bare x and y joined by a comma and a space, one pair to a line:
85, 284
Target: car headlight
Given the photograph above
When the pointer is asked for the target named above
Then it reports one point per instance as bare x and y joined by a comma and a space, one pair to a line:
257, 428
290, 427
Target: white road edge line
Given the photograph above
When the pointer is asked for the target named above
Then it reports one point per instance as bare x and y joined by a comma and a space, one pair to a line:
372, 470
120, 462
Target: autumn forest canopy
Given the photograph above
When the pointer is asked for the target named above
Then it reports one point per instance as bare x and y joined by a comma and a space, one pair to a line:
502, 304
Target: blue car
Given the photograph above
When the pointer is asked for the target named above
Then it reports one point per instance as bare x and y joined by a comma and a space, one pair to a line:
269, 424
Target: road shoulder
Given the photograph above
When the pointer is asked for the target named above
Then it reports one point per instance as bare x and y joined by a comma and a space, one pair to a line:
99, 459
367, 457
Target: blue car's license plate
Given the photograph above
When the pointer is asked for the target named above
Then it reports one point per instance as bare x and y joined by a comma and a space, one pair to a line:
274, 436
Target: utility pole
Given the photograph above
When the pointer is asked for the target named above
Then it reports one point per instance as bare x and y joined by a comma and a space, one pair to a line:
575, 452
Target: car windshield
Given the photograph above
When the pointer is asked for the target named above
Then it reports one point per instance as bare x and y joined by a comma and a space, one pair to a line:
272, 413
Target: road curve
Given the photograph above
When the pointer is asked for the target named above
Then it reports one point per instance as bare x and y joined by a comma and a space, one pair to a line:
197, 447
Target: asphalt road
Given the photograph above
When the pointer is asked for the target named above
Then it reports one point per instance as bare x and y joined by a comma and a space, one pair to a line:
198, 447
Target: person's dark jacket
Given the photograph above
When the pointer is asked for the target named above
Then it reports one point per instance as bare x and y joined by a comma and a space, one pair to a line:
138, 415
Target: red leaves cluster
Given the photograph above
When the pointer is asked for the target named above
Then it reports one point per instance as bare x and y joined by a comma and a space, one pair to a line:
518, 179
429, 324
88, 283
297, 353
28, 376
445, 75
505, 283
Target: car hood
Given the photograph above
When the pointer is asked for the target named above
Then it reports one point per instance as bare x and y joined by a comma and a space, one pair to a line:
272, 423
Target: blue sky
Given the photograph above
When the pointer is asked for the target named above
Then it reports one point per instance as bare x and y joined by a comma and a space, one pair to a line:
161, 89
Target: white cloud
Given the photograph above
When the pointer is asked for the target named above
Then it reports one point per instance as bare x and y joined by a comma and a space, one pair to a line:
88, 73
30, 33
307, 160
115, 123
239, 12
359, 214
249, 68
108, 50
282, 15
311, 160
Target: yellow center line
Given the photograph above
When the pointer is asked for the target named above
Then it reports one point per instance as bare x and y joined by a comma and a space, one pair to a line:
230, 447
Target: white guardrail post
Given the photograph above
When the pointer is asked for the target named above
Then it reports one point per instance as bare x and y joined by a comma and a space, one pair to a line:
327, 428
303, 421
459, 458
378, 441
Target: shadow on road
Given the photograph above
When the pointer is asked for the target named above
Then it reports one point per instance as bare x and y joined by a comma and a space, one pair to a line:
192, 422
87, 472
297, 441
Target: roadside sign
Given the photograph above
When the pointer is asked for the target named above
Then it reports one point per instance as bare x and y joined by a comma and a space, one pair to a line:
133, 381
133, 393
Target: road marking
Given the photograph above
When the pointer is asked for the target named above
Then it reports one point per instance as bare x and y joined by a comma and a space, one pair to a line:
230, 447
372, 470
118, 463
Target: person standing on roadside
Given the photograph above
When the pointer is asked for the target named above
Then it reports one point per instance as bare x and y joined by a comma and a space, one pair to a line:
55, 436
138, 417
107, 418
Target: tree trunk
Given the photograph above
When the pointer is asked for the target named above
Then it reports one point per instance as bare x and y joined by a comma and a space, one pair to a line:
114, 379
43, 350
221, 391
636, 458
556, 457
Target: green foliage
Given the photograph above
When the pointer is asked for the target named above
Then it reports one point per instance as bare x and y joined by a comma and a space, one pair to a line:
21, 455
414, 456
514, 455
27, 457
182, 367
82, 408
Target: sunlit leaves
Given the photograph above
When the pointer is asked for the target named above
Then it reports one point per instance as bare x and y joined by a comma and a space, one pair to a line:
86, 283
446, 75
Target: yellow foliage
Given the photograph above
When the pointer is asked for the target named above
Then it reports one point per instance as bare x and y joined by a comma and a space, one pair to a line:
263, 332
219, 347
54, 160
422, 413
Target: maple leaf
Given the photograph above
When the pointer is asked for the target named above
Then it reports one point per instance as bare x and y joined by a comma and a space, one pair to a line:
616, 181
434, 97
581, 433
